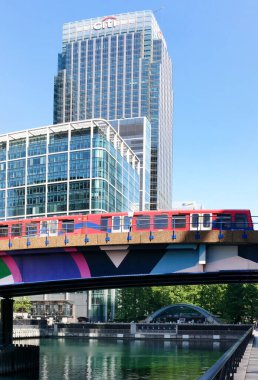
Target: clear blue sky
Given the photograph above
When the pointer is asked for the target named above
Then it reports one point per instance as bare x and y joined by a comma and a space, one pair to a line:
214, 48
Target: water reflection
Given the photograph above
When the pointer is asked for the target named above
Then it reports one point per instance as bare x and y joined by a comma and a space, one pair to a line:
76, 359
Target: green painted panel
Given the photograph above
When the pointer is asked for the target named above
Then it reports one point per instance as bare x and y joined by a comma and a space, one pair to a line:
4, 270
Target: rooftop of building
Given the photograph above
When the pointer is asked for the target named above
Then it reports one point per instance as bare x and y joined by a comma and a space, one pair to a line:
103, 125
110, 24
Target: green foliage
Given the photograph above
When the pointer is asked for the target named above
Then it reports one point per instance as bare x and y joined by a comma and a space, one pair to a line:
134, 304
21, 305
210, 297
241, 303
233, 303
251, 302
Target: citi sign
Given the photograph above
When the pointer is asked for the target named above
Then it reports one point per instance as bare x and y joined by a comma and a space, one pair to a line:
107, 22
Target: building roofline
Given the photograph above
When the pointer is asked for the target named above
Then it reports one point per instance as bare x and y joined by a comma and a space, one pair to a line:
107, 129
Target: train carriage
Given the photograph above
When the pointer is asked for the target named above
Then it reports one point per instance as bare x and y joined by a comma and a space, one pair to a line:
173, 220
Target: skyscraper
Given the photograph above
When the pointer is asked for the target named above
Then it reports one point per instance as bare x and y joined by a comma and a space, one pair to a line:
118, 67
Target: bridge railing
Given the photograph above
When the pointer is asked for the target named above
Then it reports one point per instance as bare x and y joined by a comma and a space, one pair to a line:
226, 366
176, 224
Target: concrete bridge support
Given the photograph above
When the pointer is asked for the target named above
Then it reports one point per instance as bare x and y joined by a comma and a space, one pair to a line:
6, 326
15, 359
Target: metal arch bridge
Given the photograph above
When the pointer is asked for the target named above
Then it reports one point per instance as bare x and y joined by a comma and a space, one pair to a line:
39, 265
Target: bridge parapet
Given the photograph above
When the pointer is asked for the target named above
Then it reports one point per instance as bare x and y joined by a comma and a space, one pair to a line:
134, 238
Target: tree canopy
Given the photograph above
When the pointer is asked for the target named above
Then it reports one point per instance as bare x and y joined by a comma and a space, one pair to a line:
233, 303
21, 305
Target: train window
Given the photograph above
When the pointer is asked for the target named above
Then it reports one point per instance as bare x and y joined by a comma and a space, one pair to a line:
104, 224
161, 221
44, 228
31, 229
16, 230
178, 221
206, 220
223, 221
48, 227
52, 225
116, 223
240, 221
195, 220
68, 225
3, 231
127, 223
142, 222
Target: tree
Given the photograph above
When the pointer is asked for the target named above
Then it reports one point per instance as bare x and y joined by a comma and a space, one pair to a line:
234, 303
137, 303
22, 305
250, 302
211, 298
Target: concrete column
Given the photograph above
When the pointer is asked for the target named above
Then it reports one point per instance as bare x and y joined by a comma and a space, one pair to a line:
89, 309
113, 303
133, 328
6, 325
105, 302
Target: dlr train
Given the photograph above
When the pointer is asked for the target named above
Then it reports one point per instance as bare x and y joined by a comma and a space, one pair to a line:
174, 220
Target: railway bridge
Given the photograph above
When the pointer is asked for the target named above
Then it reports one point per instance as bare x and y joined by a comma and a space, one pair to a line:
37, 265
72, 262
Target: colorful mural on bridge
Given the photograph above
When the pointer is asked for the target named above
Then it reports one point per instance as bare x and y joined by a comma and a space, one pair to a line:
52, 264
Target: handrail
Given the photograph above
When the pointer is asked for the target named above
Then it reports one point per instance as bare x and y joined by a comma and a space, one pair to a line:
226, 366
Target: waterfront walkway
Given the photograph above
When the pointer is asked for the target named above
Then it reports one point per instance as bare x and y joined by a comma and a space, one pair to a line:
248, 367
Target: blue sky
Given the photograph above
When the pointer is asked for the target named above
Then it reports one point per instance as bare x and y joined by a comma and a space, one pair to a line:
214, 48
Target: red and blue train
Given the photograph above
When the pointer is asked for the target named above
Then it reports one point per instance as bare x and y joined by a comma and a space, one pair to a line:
174, 220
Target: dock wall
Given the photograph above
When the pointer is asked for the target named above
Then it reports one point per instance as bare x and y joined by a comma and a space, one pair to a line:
165, 331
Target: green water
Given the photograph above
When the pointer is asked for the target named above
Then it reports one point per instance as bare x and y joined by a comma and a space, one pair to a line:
76, 359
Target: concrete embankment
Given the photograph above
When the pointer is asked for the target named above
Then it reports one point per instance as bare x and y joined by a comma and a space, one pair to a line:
182, 332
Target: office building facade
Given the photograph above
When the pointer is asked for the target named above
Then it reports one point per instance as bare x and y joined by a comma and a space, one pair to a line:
118, 67
97, 305
81, 167
136, 132
71, 168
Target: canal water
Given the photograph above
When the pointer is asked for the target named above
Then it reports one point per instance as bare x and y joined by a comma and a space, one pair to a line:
80, 359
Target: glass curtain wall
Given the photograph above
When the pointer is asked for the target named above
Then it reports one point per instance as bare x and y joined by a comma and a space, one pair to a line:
119, 67
79, 168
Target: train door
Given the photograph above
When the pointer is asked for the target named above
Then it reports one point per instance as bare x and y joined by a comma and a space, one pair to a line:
200, 221
121, 223
127, 223
48, 227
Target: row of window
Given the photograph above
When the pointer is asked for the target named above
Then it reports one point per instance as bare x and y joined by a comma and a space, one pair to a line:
125, 223
145, 222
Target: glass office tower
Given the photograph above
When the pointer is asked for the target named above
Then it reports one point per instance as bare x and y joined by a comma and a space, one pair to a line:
118, 67
136, 133
81, 167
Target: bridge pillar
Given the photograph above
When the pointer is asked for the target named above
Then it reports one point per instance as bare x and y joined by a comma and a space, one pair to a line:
6, 325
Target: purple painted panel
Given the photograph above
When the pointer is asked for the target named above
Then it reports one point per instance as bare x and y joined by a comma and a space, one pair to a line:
47, 267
